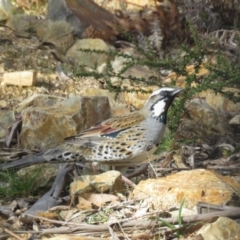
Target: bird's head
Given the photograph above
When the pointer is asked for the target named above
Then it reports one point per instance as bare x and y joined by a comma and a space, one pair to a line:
159, 102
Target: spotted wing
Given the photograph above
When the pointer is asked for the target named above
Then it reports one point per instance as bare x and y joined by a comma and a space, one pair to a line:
110, 128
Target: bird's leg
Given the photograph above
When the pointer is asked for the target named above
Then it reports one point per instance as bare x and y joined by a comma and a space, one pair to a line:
94, 168
138, 171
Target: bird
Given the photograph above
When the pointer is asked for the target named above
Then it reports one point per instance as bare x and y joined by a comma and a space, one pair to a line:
118, 141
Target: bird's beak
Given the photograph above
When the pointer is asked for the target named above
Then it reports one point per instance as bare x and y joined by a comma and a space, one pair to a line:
176, 92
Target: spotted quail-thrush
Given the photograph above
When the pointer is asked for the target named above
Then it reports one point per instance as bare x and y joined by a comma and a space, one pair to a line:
119, 141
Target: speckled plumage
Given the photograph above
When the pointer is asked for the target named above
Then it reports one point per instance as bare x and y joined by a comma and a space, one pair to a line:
121, 140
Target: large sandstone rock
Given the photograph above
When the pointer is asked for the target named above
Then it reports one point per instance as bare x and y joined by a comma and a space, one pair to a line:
195, 186
204, 124
47, 126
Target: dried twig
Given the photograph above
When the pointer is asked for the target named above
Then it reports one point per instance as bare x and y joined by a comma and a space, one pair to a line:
12, 234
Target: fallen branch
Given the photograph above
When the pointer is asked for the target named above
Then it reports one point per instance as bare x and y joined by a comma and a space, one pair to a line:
140, 225
51, 198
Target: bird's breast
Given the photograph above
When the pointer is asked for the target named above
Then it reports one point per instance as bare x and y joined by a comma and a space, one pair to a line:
154, 130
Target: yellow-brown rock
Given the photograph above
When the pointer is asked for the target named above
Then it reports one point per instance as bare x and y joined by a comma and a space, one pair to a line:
223, 228
134, 4
195, 186
105, 182
138, 99
221, 103
180, 80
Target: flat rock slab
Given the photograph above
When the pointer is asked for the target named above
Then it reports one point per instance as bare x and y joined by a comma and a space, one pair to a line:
195, 186
46, 127
105, 182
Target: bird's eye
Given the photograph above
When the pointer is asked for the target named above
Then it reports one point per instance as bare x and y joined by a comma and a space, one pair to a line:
163, 93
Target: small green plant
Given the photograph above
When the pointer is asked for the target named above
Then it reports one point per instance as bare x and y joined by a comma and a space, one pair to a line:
168, 143
99, 217
180, 224
16, 185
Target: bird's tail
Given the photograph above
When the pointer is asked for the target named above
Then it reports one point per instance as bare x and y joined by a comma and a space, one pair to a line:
24, 162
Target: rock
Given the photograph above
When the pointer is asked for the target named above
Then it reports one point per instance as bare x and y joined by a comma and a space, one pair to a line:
223, 228
37, 100
3, 103
235, 120
58, 11
58, 33
118, 105
221, 103
105, 182
204, 124
48, 126
30, 3
89, 83
23, 78
89, 59
179, 81
135, 71
195, 186
6, 9
7, 119
133, 5
138, 99
23, 25
81, 15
